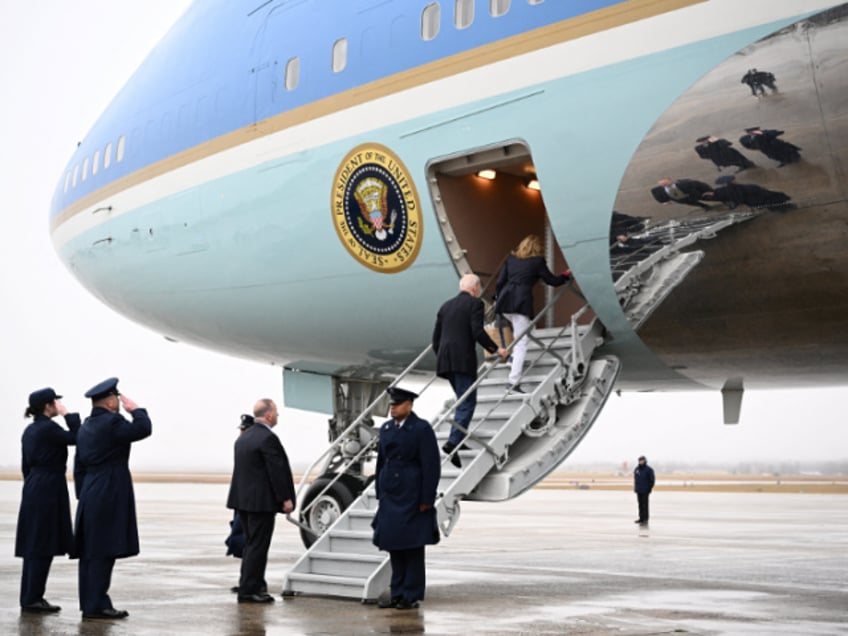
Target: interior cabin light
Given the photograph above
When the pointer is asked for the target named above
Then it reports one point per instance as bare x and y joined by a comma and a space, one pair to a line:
533, 184
488, 173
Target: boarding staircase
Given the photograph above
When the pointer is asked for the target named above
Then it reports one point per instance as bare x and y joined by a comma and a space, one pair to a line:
646, 275
513, 442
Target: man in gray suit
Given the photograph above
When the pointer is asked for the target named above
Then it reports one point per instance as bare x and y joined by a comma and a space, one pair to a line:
262, 486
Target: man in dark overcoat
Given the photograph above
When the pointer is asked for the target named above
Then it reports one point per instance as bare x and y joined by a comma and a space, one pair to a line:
643, 484
721, 153
44, 518
262, 486
767, 142
733, 194
408, 472
682, 191
459, 328
106, 527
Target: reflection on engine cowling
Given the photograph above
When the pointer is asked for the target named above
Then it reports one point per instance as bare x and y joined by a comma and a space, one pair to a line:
729, 238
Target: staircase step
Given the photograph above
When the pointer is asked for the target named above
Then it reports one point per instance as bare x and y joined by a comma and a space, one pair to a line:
351, 541
345, 565
327, 585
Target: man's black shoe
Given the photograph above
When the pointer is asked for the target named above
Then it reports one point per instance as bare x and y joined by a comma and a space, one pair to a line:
388, 603
235, 589
110, 613
455, 460
255, 598
403, 604
40, 607
517, 388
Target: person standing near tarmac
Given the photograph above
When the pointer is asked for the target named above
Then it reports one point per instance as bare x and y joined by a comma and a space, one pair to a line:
262, 486
106, 525
407, 476
721, 153
44, 520
643, 484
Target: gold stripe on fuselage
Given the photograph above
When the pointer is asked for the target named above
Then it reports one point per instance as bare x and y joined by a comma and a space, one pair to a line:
580, 26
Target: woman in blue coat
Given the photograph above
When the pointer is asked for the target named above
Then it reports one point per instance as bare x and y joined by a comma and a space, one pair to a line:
408, 471
44, 519
514, 295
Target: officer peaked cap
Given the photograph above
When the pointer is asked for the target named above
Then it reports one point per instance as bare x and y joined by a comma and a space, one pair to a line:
704, 138
104, 389
399, 395
41, 397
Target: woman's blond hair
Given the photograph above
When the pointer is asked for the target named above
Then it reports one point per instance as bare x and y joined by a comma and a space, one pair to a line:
531, 245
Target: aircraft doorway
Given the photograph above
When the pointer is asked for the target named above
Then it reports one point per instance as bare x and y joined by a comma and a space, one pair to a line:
486, 202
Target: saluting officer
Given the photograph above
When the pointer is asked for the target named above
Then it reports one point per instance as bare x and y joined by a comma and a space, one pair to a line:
44, 519
408, 471
106, 527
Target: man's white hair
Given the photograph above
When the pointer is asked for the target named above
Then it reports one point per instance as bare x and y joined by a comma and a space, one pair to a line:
469, 282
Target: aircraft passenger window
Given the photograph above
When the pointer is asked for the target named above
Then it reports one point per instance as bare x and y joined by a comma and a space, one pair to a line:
497, 8
95, 163
76, 173
67, 180
85, 169
107, 156
339, 55
463, 13
430, 20
292, 73
119, 153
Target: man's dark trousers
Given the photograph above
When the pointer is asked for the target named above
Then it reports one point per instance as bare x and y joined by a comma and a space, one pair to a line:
258, 530
408, 575
642, 498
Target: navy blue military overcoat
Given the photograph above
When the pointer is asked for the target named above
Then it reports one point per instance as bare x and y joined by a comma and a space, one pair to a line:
408, 471
106, 524
44, 519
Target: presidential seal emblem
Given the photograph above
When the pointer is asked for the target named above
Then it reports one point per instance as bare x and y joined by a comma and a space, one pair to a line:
376, 210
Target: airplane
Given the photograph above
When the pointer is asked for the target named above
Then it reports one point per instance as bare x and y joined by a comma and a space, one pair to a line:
303, 182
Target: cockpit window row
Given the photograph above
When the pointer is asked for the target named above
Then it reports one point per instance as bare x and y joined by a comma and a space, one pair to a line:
431, 18
90, 166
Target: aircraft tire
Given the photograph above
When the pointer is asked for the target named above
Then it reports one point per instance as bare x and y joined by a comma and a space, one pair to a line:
326, 509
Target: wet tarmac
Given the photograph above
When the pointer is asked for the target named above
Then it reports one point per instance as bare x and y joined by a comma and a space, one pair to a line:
550, 562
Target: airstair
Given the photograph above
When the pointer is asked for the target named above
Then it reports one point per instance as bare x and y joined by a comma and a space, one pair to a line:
514, 441
646, 272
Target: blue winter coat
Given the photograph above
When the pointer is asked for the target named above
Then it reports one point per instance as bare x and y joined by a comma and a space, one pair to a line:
106, 525
643, 479
44, 519
408, 471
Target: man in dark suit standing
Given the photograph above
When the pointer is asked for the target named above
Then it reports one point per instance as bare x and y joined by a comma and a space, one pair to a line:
643, 484
459, 326
407, 477
682, 191
106, 525
262, 486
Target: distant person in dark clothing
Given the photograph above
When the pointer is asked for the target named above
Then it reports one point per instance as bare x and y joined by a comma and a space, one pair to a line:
733, 194
720, 152
44, 520
682, 191
459, 329
262, 486
758, 80
523, 268
106, 525
643, 484
406, 480
767, 142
